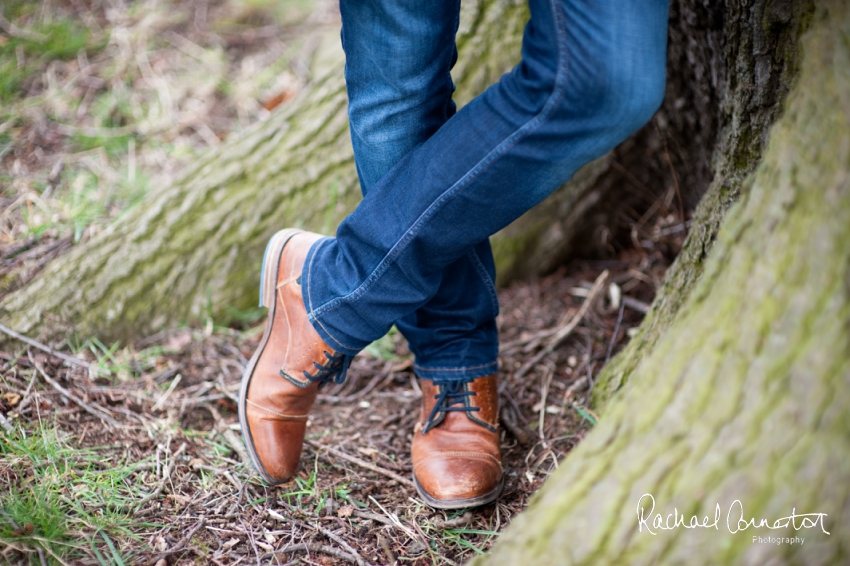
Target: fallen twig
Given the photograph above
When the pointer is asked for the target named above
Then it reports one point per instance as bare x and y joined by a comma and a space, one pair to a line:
635, 304
544, 393
396, 521
168, 471
20, 33
227, 434
308, 547
508, 419
161, 402
27, 397
180, 545
562, 334
51, 351
461, 521
577, 386
362, 463
339, 540
91, 409
536, 336
373, 517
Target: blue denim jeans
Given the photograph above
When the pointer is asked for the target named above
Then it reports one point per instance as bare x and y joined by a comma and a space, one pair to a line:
437, 184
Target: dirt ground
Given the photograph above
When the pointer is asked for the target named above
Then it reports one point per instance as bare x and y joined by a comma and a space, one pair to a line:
115, 454
168, 414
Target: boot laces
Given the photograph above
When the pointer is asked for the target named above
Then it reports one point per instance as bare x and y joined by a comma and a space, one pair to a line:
334, 370
453, 396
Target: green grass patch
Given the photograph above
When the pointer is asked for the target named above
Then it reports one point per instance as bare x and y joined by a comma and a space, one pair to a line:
64, 38
69, 502
585, 414
306, 494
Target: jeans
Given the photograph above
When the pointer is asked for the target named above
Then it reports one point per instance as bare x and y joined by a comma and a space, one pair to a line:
438, 183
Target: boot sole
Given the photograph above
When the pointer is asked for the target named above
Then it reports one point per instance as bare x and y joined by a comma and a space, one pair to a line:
459, 503
268, 290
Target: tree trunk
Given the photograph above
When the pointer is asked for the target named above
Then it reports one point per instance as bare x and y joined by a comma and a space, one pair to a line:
745, 394
193, 250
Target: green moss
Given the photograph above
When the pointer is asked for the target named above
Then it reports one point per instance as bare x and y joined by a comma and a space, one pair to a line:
509, 248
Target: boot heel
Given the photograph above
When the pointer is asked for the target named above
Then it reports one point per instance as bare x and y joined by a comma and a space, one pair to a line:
271, 263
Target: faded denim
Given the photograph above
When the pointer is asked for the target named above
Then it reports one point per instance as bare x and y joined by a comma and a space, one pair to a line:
437, 183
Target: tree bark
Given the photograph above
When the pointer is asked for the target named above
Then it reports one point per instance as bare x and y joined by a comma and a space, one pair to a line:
745, 394
730, 68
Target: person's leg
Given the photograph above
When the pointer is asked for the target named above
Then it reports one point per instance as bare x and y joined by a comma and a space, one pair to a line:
399, 55
592, 72
398, 59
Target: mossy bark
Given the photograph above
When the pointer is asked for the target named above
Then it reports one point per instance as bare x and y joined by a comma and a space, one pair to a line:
746, 394
730, 67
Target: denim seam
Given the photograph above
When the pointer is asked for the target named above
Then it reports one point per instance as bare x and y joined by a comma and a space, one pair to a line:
485, 277
306, 282
457, 369
501, 149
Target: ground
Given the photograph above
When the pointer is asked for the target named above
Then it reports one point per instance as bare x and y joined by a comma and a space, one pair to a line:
132, 453
145, 461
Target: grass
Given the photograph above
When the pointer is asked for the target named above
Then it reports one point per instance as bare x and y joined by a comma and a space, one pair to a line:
585, 414
456, 536
120, 362
307, 495
66, 501
20, 58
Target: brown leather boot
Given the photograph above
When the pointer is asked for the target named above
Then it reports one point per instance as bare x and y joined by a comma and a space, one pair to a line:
283, 376
456, 455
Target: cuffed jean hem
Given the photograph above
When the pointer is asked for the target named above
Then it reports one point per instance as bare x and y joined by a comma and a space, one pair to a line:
340, 342
456, 373
481, 359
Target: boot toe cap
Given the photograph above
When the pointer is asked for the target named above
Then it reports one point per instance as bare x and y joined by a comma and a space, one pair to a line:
461, 477
275, 447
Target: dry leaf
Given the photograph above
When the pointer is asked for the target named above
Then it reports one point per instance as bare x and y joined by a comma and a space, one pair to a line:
159, 543
11, 399
345, 511
275, 515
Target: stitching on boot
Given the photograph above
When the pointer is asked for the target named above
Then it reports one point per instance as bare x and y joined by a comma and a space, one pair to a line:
275, 413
